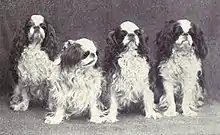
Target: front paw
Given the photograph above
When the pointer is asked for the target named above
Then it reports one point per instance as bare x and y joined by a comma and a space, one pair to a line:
97, 120
170, 113
153, 115
23, 106
111, 119
189, 113
52, 120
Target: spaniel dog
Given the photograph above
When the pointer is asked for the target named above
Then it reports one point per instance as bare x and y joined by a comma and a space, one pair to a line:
180, 51
127, 71
34, 49
76, 83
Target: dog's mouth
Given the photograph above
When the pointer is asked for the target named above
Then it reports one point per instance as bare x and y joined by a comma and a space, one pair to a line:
91, 62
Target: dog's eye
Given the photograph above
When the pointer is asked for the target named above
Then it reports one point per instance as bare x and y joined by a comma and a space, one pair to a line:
29, 24
43, 26
178, 30
123, 33
191, 32
86, 54
137, 32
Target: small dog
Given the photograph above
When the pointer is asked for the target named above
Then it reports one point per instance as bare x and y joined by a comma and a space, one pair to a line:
34, 49
127, 70
181, 49
76, 83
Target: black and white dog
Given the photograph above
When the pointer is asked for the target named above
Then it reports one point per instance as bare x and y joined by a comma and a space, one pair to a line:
180, 51
126, 68
76, 83
34, 49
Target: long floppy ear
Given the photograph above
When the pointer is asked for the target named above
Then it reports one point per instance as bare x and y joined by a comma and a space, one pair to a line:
111, 40
51, 43
201, 49
20, 40
143, 46
165, 40
97, 64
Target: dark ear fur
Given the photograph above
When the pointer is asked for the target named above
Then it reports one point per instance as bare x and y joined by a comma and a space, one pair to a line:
19, 41
111, 38
51, 43
201, 49
97, 64
164, 41
143, 46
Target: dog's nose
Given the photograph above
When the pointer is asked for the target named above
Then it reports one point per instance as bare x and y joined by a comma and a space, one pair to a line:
185, 34
36, 28
92, 55
131, 36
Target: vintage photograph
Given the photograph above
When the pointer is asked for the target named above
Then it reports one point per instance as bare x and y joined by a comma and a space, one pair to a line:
109, 67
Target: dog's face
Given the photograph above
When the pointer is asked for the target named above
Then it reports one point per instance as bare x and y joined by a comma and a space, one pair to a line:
184, 32
36, 28
126, 33
80, 53
182, 36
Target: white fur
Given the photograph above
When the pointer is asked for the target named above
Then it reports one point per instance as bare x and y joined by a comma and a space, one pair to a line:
185, 25
77, 90
131, 85
37, 20
130, 27
181, 68
34, 68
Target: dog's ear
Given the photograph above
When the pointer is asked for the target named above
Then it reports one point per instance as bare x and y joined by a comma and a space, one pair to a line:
143, 46
165, 40
199, 44
51, 42
97, 64
111, 39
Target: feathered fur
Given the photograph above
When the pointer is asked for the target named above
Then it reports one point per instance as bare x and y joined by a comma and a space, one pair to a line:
75, 88
31, 65
127, 72
179, 70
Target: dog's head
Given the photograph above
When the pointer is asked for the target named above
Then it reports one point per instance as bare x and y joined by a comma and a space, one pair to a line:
126, 33
181, 35
80, 53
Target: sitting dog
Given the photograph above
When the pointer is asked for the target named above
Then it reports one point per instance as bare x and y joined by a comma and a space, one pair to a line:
127, 71
76, 83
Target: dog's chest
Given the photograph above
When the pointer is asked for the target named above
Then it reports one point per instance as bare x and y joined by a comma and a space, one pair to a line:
132, 78
181, 67
34, 64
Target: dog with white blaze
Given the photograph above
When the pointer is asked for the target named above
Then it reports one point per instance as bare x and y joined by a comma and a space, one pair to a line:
181, 49
76, 83
127, 70
34, 49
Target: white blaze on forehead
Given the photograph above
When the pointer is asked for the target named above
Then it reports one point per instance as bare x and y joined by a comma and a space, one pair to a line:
37, 19
185, 24
128, 26
87, 45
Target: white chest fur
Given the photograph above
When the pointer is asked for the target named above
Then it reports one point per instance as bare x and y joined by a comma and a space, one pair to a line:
133, 78
75, 90
34, 65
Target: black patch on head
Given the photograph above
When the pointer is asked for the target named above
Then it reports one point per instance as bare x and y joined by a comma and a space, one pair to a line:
72, 55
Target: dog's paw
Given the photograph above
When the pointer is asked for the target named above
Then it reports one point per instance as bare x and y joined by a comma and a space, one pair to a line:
53, 119
23, 106
189, 113
111, 119
170, 113
97, 120
153, 115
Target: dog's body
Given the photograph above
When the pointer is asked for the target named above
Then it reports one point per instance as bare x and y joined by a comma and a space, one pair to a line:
180, 53
127, 69
32, 63
77, 83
